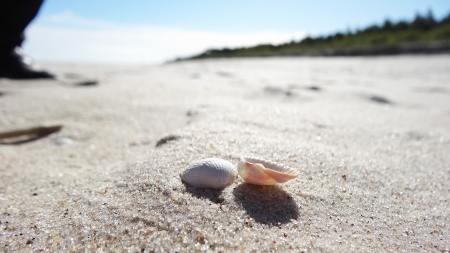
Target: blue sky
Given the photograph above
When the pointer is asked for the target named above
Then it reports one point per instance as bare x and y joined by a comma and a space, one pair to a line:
145, 31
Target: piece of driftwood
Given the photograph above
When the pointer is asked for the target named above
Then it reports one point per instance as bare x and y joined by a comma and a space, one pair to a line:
35, 131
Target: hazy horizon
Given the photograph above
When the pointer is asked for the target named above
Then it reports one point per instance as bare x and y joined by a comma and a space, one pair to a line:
149, 32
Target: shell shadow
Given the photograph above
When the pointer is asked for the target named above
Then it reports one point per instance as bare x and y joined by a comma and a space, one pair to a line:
266, 204
212, 195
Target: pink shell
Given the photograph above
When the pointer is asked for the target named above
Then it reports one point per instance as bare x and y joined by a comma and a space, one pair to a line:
263, 172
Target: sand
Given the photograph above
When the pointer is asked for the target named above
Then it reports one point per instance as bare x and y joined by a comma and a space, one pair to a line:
370, 137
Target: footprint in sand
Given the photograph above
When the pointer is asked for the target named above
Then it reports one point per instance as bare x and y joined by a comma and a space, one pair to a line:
436, 89
224, 74
278, 91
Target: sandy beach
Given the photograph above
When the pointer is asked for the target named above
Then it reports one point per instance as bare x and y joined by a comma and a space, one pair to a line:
369, 136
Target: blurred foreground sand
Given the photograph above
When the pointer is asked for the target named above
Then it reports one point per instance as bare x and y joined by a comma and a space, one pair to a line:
370, 137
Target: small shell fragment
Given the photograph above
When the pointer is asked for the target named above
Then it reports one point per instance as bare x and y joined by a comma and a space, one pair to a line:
210, 173
263, 172
63, 141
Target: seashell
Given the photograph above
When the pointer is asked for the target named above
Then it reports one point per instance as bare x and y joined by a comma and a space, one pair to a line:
63, 141
210, 173
262, 172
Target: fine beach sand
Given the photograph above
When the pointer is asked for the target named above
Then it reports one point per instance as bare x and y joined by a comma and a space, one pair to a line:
370, 137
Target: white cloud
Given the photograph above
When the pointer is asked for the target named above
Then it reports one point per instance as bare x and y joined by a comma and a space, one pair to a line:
68, 18
68, 38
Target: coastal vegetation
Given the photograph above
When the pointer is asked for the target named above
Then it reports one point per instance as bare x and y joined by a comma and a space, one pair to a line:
423, 34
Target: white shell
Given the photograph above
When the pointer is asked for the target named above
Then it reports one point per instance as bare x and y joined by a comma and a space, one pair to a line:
210, 173
263, 172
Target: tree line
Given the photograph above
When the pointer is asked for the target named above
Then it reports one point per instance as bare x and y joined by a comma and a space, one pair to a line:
423, 34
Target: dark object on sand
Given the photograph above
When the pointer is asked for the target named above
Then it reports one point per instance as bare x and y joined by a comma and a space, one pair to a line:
86, 83
380, 100
166, 139
16, 65
35, 132
314, 88
76, 80
14, 18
